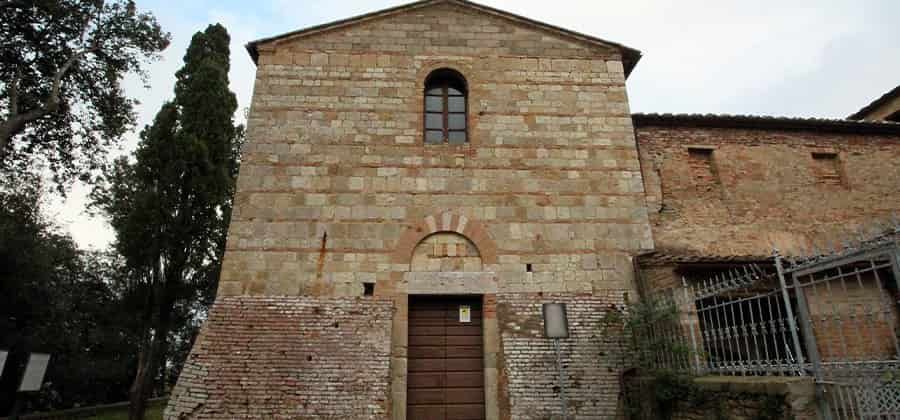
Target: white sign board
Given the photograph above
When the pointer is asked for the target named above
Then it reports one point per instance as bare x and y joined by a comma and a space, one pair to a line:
556, 323
2, 360
465, 313
34, 372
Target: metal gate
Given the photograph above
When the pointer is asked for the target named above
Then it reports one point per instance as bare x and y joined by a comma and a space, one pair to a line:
831, 314
846, 302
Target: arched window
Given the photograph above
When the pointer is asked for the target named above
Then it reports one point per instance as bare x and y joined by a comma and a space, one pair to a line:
445, 108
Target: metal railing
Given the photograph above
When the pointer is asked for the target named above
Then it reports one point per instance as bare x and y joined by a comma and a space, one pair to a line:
830, 314
735, 322
847, 300
747, 328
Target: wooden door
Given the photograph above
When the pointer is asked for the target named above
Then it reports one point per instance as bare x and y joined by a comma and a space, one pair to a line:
446, 359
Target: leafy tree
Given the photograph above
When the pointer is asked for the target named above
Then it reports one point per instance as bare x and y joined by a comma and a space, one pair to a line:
58, 299
170, 205
61, 67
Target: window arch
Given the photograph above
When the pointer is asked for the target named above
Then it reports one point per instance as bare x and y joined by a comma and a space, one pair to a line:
446, 108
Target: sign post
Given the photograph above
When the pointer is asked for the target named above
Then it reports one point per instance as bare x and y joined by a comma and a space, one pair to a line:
556, 327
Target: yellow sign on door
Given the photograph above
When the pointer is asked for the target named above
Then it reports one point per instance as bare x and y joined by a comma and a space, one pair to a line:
465, 313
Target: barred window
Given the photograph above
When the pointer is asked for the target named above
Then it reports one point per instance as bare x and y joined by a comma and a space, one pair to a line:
446, 108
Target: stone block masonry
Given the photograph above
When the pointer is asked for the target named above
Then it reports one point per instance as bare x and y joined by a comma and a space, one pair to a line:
335, 173
339, 196
288, 357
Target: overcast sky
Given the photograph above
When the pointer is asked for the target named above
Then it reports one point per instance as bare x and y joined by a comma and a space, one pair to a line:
816, 58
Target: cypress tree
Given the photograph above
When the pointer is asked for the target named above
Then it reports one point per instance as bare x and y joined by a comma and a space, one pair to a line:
170, 206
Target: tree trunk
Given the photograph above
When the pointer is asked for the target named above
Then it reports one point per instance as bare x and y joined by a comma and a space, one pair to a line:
5, 137
148, 368
137, 395
149, 360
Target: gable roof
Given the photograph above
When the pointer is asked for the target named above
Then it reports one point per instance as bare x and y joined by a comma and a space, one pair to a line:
630, 56
862, 113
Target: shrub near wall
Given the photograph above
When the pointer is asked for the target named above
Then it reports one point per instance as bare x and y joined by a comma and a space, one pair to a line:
671, 397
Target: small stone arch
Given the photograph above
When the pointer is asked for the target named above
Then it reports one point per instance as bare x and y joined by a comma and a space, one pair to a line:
446, 252
472, 230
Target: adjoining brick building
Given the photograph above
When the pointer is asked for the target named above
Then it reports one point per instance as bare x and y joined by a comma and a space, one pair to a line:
417, 181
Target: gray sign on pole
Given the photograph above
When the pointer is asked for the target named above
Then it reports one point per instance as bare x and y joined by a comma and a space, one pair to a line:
3, 354
34, 372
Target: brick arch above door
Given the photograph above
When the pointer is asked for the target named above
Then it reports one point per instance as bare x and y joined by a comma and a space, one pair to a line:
446, 221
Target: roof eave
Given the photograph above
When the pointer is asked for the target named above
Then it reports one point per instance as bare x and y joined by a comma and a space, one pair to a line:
765, 122
630, 56
868, 109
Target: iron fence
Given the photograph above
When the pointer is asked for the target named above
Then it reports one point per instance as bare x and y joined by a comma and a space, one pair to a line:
847, 301
830, 314
736, 322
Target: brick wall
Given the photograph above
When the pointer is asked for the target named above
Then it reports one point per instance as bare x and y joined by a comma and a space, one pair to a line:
774, 188
854, 318
288, 357
592, 360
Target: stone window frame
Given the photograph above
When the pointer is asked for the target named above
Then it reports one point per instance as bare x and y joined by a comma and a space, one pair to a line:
447, 78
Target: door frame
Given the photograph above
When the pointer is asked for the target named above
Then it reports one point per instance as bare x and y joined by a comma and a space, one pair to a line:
490, 347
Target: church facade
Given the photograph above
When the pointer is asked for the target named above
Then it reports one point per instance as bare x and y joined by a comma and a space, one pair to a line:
418, 181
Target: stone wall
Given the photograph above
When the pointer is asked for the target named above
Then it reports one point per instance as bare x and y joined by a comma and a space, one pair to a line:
338, 191
547, 201
335, 172
592, 356
288, 357
770, 187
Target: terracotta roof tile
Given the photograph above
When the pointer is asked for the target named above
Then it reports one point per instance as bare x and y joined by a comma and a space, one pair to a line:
765, 122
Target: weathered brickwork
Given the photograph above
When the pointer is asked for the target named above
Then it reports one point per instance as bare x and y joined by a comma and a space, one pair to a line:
591, 356
781, 188
775, 187
288, 357
854, 319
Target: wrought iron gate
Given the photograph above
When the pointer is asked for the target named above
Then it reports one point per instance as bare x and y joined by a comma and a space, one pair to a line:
846, 301
831, 315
